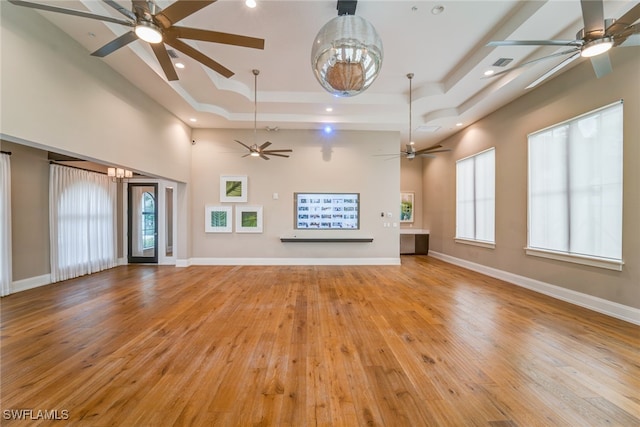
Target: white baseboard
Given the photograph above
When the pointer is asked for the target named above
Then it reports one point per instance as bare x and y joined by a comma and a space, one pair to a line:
291, 261
183, 262
610, 308
30, 283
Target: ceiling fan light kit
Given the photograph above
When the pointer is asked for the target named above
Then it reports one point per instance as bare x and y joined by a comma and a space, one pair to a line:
596, 47
149, 32
346, 56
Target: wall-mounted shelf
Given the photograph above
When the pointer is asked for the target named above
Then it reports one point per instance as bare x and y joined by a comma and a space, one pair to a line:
326, 240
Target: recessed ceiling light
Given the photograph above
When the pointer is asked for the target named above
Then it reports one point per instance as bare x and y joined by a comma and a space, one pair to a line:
489, 72
250, 3
458, 124
437, 10
179, 65
193, 120
329, 109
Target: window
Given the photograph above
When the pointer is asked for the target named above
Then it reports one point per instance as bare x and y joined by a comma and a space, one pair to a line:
475, 199
575, 189
148, 221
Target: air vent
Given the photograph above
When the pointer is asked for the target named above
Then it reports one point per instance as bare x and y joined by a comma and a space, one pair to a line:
502, 62
172, 53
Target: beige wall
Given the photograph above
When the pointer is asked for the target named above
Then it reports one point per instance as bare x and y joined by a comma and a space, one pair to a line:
570, 94
29, 211
411, 182
56, 96
341, 162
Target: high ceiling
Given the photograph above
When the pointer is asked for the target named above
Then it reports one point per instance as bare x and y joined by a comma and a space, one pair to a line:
447, 53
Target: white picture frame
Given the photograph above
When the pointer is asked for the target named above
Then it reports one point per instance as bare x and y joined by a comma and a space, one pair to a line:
218, 219
248, 219
233, 188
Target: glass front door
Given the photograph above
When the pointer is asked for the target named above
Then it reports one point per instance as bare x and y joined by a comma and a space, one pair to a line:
143, 223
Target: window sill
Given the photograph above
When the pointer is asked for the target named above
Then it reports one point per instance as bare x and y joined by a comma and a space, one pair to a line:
480, 243
609, 264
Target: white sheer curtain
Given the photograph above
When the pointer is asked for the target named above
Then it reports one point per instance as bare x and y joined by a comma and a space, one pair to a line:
82, 216
5, 225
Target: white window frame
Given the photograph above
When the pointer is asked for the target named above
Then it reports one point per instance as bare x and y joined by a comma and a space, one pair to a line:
590, 260
491, 244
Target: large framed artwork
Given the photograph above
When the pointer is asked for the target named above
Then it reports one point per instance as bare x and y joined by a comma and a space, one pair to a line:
217, 219
248, 219
406, 207
233, 188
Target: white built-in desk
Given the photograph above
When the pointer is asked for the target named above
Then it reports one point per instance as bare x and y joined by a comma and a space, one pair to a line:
414, 241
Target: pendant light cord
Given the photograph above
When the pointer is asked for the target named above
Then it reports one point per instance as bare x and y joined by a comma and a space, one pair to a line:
255, 105
410, 77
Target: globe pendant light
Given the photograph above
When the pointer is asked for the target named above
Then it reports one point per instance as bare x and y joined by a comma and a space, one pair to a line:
347, 55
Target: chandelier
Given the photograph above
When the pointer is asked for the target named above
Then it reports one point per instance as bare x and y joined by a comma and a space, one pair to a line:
347, 55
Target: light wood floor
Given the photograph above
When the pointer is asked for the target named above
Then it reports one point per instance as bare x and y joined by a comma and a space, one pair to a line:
422, 344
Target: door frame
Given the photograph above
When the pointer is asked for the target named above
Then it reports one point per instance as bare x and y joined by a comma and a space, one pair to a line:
161, 219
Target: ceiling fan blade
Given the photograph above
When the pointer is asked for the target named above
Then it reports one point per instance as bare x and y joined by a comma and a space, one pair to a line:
141, 7
621, 38
552, 71
205, 60
524, 64
216, 37
179, 10
444, 150
126, 12
277, 151
624, 21
593, 16
278, 155
115, 44
165, 61
265, 145
601, 64
264, 157
535, 43
70, 12
246, 155
243, 144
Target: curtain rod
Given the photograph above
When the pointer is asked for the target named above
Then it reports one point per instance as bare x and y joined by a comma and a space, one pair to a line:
75, 167
8, 153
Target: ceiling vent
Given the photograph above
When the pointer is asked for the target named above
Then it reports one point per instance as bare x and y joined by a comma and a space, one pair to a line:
502, 62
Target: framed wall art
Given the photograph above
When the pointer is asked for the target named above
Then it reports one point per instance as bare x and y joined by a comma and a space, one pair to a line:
233, 188
217, 219
248, 219
406, 207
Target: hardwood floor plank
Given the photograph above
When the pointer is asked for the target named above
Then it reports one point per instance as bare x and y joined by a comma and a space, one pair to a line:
421, 344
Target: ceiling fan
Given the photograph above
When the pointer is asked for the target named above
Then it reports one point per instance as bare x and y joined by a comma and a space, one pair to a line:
255, 150
593, 41
156, 26
411, 152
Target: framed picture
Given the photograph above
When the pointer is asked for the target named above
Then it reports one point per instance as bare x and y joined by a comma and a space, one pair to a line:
233, 188
217, 219
406, 207
248, 219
